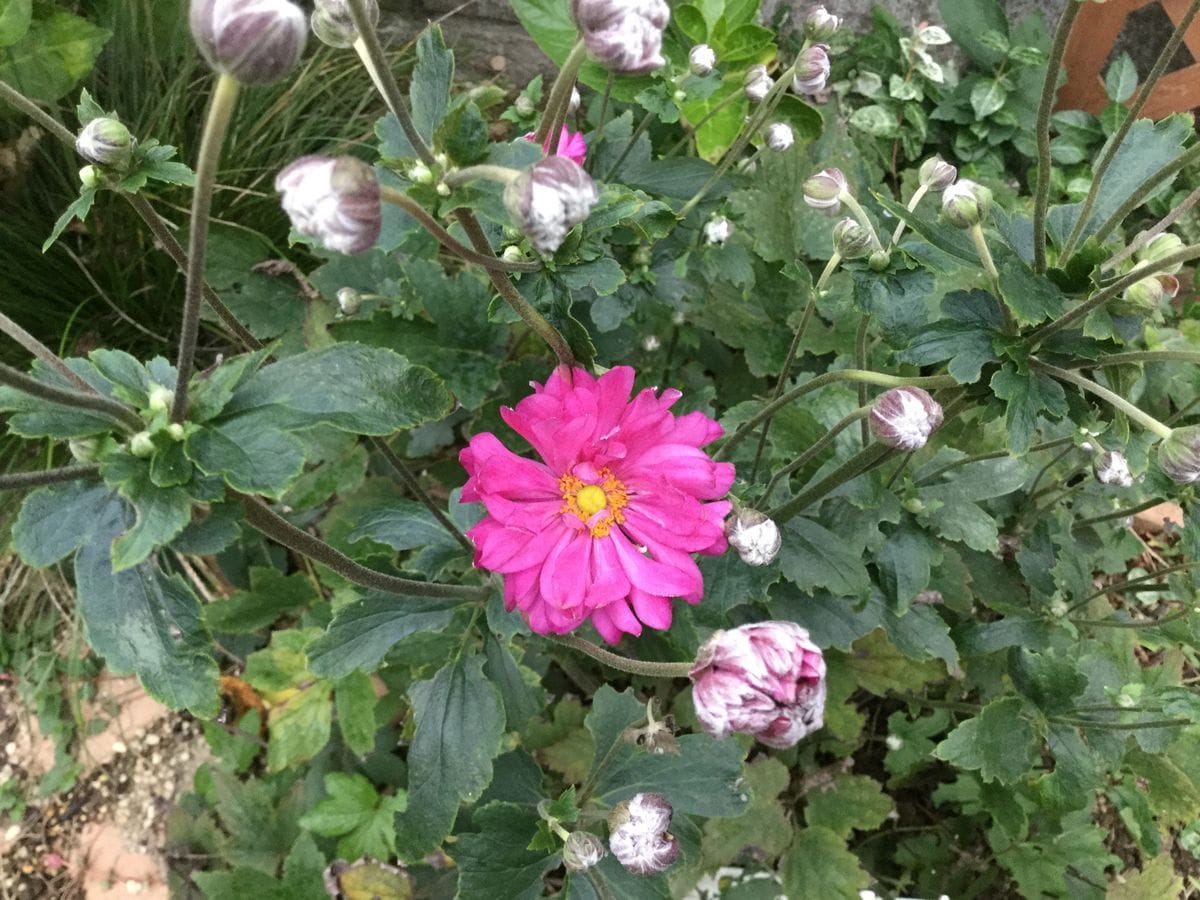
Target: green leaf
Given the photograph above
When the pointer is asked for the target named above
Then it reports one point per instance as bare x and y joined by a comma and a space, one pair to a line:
363, 631
144, 623
764, 826
271, 595
1029, 395
1048, 680
431, 80
967, 21
729, 582
268, 305
819, 865
354, 699
987, 97
54, 54
1121, 79
213, 390
847, 803
493, 859
262, 825
15, 16
904, 565
213, 533
460, 721
609, 880
998, 742
57, 520
915, 749
812, 557
522, 700
354, 810
946, 238
1031, 297
365, 390
1156, 878
301, 714
79, 209
250, 455
875, 120
402, 525
161, 512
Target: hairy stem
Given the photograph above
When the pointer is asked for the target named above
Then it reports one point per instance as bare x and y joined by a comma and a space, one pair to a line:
15, 481
410, 481
486, 171
1140, 356
555, 114
994, 454
860, 361
31, 109
1119, 586
1146, 420
623, 663
816, 448
860, 216
1121, 513
1151, 233
913, 203
44, 353
220, 111
859, 464
1164, 173
97, 403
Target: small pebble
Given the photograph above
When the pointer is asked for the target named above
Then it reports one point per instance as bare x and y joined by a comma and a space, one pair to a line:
12, 833
119, 747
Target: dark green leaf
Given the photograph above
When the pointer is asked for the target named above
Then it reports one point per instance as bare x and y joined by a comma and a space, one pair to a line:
998, 742
271, 595
364, 630
492, 858
819, 865
57, 520
251, 456
1029, 396
1031, 297
431, 80
847, 803
967, 21
522, 700
814, 557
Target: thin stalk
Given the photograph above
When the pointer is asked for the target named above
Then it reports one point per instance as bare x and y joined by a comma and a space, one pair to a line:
485, 171
15, 481
637, 133
550, 127
1146, 420
447, 240
989, 266
97, 403
768, 410
994, 454
44, 353
810, 309
605, 100
1041, 197
31, 109
523, 308
1114, 143
1138, 197
1122, 513
410, 481
1138, 623
859, 464
1038, 335
815, 448
220, 111
1154, 231
278, 529
1121, 726
721, 104
1032, 492
1140, 356
1128, 583
622, 663
370, 50
913, 203
860, 361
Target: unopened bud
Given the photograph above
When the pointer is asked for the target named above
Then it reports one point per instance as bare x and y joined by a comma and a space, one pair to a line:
1160, 248
141, 445
754, 536
582, 851
638, 835
420, 174
966, 204
851, 240
573, 103
1111, 467
548, 199
1179, 454
349, 301
717, 230
524, 105
812, 70
175, 431
779, 136
1059, 608
757, 83
1148, 293
701, 59
333, 25
624, 35
105, 142
161, 399
893, 742
936, 174
332, 199
823, 191
255, 41
879, 260
90, 177
905, 417
819, 25
512, 253
442, 189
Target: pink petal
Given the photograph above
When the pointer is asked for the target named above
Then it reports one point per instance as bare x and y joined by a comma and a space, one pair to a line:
649, 574
653, 610
563, 580
615, 619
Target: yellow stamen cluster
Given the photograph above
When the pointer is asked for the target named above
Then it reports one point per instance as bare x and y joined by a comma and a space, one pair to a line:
585, 500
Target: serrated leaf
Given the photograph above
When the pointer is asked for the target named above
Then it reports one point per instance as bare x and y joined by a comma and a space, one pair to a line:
363, 631
432, 76
354, 700
79, 209
249, 455
57, 520
271, 594
819, 865
846, 803
352, 809
493, 859
1029, 396
1032, 298
814, 557
998, 742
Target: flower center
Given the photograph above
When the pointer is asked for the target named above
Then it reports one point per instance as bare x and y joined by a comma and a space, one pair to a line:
587, 501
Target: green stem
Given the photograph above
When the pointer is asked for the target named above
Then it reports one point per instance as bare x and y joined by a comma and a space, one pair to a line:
602, 119
989, 266
815, 448
994, 454
1145, 237
633, 138
15, 481
860, 361
64, 397
862, 462
447, 240
1041, 197
410, 481
1128, 583
1143, 191
220, 111
560, 98
487, 171
913, 203
1121, 726
44, 353
1140, 356
623, 663
278, 529
376, 63
1146, 420
31, 109
522, 307
1114, 143
1143, 623
768, 410
1121, 513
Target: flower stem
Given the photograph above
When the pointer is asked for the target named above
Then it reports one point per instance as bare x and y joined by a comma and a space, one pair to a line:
1133, 623
1141, 356
96, 402
555, 113
44, 353
629, 145
375, 61
447, 240
220, 111
859, 464
1128, 583
623, 663
31, 109
860, 361
1041, 197
994, 454
1151, 233
410, 481
15, 481
1114, 143
814, 449
1146, 420
989, 266
913, 203
278, 529
1121, 513
486, 171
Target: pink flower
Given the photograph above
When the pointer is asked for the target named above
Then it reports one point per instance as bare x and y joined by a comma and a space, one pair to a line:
766, 679
605, 527
570, 144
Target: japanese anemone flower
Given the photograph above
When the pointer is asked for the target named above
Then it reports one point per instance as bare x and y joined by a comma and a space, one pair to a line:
603, 527
570, 144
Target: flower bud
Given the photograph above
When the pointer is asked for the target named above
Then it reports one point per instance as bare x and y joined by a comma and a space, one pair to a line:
332, 199
966, 203
755, 537
765, 679
624, 35
161, 398
255, 41
651, 343
90, 177
1161, 247
812, 70
1111, 467
1150, 292
823, 191
84, 450
905, 417
819, 25
717, 230
582, 851
333, 25
757, 83
524, 105
879, 260
548, 199
141, 445
175, 431
1179, 455
349, 301
701, 59
573, 103
420, 174
105, 142
936, 174
851, 240
779, 136
638, 835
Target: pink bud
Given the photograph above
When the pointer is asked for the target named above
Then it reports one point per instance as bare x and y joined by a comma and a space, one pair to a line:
812, 70
905, 417
624, 35
255, 41
765, 679
548, 199
638, 835
334, 199
823, 191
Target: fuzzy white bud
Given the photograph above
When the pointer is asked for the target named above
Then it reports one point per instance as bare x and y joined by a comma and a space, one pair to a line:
779, 136
349, 301
548, 199
757, 83
105, 142
638, 835
624, 35
812, 70
701, 59
717, 230
255, 41
755, 537
333, 199
1111, 467
905, 417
